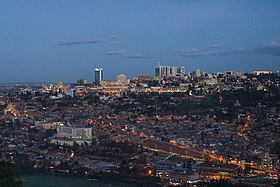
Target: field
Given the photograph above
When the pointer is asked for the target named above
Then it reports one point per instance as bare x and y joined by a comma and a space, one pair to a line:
42, 180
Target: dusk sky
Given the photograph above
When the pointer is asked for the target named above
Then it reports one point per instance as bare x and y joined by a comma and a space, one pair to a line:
63, 40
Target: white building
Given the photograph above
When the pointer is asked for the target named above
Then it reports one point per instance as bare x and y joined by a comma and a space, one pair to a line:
74, 132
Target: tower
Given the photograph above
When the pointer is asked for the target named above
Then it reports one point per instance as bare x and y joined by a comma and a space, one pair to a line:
98, 77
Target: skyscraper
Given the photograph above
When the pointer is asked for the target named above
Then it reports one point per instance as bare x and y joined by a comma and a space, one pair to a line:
98, 75
169, 71
180, 71
162, 71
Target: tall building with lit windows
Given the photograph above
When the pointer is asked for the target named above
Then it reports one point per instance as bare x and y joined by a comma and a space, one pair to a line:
162, 71
98, 75
180, 71
169, 71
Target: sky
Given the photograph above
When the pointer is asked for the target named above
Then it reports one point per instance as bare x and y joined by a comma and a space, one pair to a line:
63, 40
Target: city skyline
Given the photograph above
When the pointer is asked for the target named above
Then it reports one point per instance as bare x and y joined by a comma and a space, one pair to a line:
65, 40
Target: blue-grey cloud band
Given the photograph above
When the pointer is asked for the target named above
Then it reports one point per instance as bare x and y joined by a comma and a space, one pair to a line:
117, 52
141, 56
111, 40
270, 48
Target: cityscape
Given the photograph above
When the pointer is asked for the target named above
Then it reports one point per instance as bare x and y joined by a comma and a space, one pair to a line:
140, 93
175, 128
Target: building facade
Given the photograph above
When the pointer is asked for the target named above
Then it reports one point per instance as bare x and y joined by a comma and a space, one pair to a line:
169, 71
98, 75
74, 132
122, 79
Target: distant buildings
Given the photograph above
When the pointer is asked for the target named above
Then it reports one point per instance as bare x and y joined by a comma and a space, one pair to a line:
81, 82
262, 72
122, 79
197, 73
69, 135
98, 76
143, 78
74, 132
169, 71
233, 73
80, 91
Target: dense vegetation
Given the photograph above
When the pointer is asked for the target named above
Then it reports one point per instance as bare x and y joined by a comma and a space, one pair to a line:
8, 175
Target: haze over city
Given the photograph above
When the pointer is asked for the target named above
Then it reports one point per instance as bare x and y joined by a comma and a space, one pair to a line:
64, 40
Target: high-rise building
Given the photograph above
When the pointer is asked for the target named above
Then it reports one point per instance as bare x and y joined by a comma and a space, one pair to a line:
180, 71
169, 71
98, 77
173, 71
162, 71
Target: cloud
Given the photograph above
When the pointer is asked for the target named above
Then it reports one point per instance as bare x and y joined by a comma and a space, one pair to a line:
114, 40
272, 45
209, 52
190, 50
141, 56
270, 48
118, 52
79, 42
111, 40
214, 46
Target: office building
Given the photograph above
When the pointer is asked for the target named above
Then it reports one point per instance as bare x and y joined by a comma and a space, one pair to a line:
169, 71
74, 132
162, 71
98, 77
180, 71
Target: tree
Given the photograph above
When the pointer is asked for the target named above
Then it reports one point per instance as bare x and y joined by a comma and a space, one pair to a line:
276, 149
8, 175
